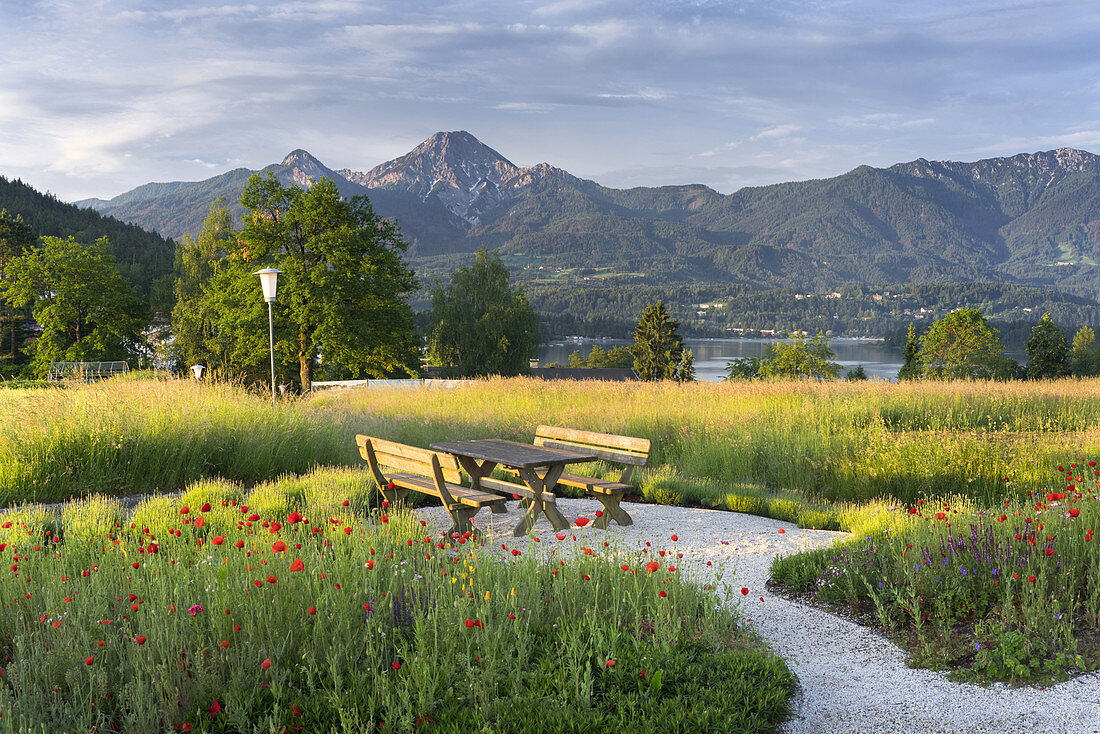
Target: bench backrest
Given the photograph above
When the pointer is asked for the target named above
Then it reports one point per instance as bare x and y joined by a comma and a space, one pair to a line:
608, 446
403, 457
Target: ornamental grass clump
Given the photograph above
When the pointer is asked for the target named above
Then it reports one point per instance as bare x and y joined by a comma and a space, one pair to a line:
204, 613
1005, 593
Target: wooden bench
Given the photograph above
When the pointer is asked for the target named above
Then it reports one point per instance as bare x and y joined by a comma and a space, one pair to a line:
625, 450
420, 470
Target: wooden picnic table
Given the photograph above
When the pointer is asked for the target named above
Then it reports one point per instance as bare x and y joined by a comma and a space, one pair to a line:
479, 457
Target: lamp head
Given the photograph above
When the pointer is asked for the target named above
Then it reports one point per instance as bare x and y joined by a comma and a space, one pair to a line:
197, 369
268, 281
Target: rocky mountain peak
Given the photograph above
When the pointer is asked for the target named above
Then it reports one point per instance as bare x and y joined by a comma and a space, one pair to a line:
455, 167
302, 168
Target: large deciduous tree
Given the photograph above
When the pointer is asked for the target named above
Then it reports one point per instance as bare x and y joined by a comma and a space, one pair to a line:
344, 287
802, 356
16, 237
1047, 351
87, 311
962, 345
199, 261
658, 348
480, 325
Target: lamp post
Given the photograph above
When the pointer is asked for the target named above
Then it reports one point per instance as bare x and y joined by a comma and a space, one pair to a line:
197, 369
268, 281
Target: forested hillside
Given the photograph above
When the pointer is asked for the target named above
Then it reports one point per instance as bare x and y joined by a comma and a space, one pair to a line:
144, 258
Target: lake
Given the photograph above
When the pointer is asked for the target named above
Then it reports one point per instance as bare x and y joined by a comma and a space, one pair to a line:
711, 355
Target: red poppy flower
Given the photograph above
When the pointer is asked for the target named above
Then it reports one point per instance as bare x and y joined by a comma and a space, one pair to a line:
511, 616
744, 591
347, 531
611, 663
395, 665
625, 567
675, 538
1031, 579
184, 510
652, 566
271, 578
140, 639
293, 518
581, 521
370, 565
662, 594
239, 544
940, 516
265, 664
1074, 512
218, 540
89, 660
312, 610
345, 503
258, 584
297, 565
469, 624
1050, 551
278, 546
225, 644
214, 707
295, 710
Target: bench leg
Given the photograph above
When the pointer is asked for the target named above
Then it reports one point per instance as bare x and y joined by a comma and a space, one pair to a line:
460, 517
612, 511
498, 508
393, 496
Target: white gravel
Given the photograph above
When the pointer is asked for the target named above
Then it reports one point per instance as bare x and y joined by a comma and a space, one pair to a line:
851, 678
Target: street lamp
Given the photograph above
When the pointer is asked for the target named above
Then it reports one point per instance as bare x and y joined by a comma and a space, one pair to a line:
268, 281
197, 369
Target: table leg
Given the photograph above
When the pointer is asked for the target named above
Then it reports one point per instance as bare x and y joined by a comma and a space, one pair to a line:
476, 470
538, 505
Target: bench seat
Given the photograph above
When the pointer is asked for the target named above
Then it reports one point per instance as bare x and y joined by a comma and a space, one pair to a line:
413, 469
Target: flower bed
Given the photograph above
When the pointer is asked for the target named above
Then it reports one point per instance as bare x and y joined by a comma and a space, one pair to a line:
298, 606
1010, 593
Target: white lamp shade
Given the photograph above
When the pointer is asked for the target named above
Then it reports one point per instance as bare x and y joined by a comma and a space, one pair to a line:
197, 369
268, 281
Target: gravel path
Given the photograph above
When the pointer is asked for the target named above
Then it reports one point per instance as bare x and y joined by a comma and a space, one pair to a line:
852, 679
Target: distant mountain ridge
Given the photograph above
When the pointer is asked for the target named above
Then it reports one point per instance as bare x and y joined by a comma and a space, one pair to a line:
1029, 218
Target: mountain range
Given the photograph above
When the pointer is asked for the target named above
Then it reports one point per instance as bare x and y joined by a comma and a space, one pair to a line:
1032, 218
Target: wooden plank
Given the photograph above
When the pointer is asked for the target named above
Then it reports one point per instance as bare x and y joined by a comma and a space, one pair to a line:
619, 457
409, 458
512, 453
628, 444
509, 488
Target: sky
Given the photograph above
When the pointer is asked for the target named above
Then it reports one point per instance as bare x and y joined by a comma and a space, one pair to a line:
99, 96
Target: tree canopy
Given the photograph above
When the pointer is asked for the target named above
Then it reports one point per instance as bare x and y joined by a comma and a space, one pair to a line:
480, 324
1047, 351
658, 348
961, 345
16, 237
87, 311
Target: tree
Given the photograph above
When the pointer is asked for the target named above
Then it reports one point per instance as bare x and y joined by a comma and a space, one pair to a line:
800, 357
746, 368
344, 287
961, 345
856, 374
1084, 359
602, 358
87, 311
1047, 351
911, 369
480, 325
16, 237
198, 262
658, 347
685, 369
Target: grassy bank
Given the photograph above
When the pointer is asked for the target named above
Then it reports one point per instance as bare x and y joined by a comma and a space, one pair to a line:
1005, 593
294, 606
794, 450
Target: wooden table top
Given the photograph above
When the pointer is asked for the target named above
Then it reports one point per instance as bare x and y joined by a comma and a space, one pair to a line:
512, 453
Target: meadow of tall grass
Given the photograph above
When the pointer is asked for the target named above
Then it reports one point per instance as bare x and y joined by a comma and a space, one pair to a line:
796, 450
300, 605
